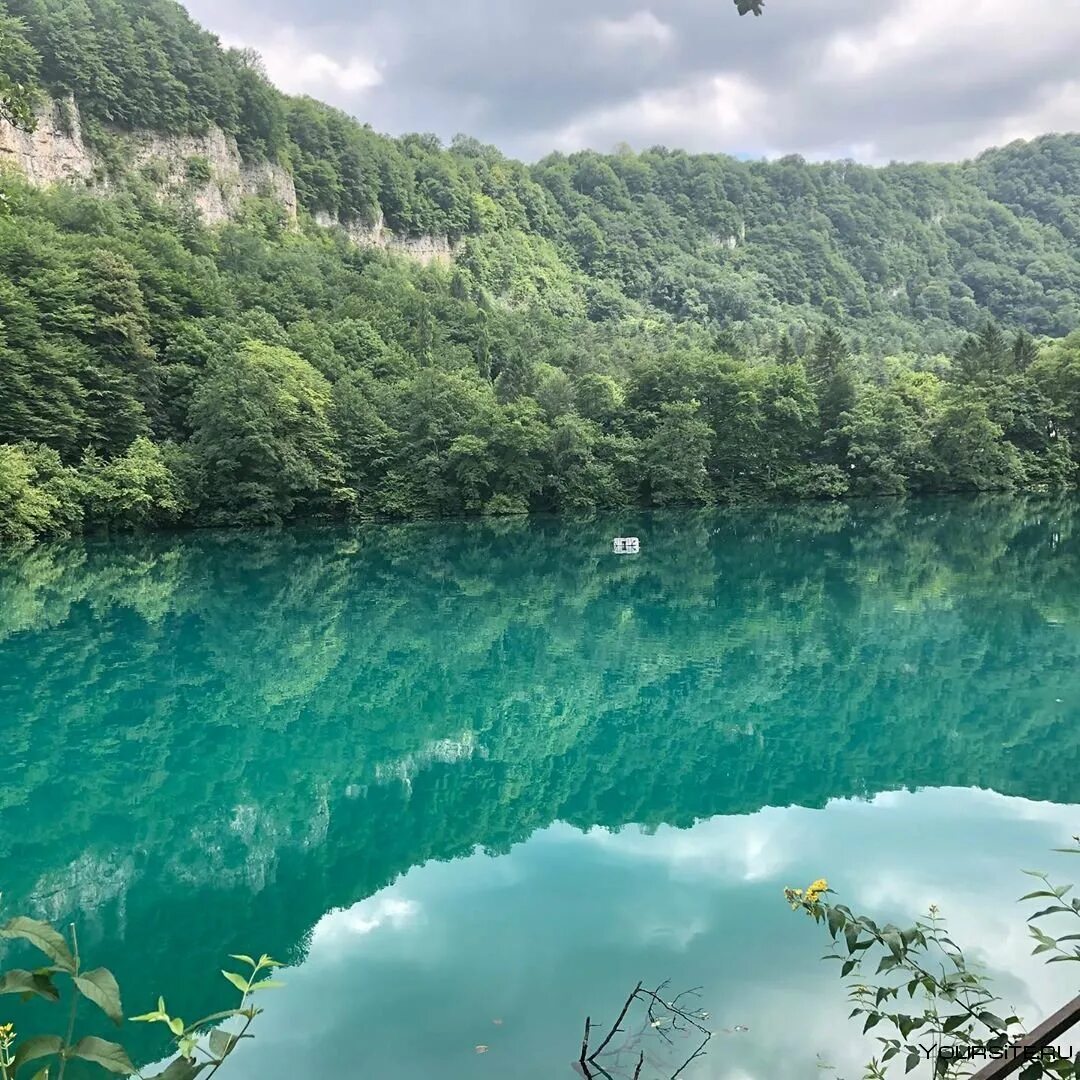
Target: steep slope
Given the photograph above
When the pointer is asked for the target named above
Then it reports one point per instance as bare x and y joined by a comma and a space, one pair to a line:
907, 254
183, 339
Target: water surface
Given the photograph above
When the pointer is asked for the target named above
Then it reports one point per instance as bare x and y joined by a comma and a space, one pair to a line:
473, 781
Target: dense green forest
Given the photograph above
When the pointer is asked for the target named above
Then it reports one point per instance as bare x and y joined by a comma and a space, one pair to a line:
647, 327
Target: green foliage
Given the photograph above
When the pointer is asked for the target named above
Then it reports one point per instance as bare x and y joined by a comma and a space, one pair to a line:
99, 987
197, 170
18, 74
157, 373
926, 990
153, 371
262, 436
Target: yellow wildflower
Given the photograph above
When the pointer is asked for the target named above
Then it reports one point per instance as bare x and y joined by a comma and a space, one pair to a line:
815, 890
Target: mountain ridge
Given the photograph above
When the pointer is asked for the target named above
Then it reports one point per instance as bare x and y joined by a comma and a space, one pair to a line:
589, 331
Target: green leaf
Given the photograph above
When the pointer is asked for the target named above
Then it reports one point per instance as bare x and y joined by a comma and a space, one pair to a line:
871, 1021
176, 1025
238, 981
108, 1055
847, 968
245, 959
895, 943
28, 982
836, 922
991, 1020
953, 1022
37, 1046
100, 987
221, 1042
911, 1062
267, 984
851, 936
42, 936
1054, 909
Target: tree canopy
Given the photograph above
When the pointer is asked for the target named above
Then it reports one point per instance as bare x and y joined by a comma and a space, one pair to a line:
653, 327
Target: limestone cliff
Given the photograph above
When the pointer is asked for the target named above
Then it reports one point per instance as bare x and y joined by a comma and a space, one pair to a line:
54, 152
424, 249
205, 169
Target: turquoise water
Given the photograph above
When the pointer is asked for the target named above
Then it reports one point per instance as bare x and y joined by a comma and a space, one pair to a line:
473, 781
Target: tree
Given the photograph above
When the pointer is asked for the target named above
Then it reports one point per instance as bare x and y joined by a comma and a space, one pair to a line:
30, 506
675, 455
830, 355
983, 356
19, 65
263, 439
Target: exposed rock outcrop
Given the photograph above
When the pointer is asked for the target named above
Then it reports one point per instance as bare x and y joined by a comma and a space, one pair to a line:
208, 169
423, 249
54, 152
205, 169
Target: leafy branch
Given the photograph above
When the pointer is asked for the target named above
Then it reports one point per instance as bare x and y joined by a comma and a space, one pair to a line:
926, 990
64, 975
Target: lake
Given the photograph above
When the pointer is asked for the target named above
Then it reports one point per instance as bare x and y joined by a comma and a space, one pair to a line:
472, 781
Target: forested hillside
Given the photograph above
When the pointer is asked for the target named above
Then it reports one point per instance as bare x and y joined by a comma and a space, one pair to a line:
655, 327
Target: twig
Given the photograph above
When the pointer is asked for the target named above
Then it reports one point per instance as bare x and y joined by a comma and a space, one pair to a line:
585, 1040
696, 1054
640, 1062
615, 1027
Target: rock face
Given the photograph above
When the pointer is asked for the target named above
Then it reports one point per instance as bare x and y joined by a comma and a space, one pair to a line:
422, 249
209, 171
54, 152
206, 170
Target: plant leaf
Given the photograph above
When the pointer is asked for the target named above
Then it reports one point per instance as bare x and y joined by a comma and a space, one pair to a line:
836, 922
180, 1069
108, 1055
267, 984
1054, 909
42, 936
150, 1017
238, 981
37, 1046
100, 987
242, 958
221, 1042
28, 982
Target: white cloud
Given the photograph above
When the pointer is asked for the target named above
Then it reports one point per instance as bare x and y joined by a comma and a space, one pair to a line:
714, 111
641, 28
297, 68
383, 910
889, 79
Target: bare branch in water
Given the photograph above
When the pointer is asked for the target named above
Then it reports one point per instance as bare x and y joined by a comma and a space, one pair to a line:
660, 1017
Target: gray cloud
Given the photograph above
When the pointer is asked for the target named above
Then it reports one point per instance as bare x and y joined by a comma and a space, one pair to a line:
870, 79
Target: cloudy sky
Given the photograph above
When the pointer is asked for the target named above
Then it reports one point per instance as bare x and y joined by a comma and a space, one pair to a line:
875, 80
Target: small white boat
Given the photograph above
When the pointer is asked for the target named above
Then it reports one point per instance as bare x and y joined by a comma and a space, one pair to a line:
626, 545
